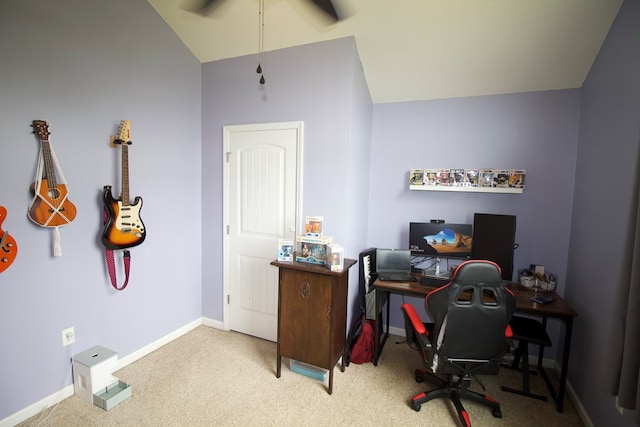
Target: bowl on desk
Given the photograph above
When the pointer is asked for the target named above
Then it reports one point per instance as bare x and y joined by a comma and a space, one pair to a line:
528, 281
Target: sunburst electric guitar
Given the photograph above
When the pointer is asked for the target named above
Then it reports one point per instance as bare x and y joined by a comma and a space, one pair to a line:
123, 227
51, 206
8, 246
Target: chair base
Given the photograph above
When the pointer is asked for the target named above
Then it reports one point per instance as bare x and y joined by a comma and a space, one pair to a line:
455, 390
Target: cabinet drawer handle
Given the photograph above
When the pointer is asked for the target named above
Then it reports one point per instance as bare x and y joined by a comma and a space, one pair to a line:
328, 313
305, 290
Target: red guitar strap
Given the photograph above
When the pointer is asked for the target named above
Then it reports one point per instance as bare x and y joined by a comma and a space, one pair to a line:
112, 268
111, 264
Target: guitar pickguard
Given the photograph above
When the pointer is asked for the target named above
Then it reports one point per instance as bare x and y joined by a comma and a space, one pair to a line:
124, 227
128, 220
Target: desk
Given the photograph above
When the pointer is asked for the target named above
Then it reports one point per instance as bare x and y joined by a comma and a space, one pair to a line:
558, 309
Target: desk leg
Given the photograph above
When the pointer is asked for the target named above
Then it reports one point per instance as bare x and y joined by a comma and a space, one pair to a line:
565, 363
377, 343
559, 397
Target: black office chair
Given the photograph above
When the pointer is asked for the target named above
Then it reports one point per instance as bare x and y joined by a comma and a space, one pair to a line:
471, 316
525, 331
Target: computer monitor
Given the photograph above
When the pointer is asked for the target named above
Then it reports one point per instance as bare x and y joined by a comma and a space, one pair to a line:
441, 240
494, 238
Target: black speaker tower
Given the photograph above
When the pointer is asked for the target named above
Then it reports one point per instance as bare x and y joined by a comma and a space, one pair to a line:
494, 239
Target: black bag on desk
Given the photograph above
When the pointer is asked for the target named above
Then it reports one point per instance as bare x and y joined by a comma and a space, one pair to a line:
360, 342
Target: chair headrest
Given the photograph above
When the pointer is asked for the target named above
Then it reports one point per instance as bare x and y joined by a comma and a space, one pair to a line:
477, 271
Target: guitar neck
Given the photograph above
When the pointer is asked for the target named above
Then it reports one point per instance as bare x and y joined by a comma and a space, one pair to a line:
49, 171
125, 173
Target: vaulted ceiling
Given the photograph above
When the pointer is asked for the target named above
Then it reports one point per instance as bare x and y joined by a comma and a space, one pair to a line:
418, 49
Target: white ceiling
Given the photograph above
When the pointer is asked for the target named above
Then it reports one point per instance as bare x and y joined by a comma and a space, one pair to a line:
419, 49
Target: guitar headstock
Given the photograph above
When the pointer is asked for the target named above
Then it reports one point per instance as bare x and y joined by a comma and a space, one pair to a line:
124, 134
41, 128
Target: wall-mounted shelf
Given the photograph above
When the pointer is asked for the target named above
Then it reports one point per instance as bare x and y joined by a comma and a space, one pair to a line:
505, 181
503, 190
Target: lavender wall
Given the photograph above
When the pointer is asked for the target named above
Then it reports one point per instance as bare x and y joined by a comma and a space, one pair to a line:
84, 65
320, 84
533, 131
609, 140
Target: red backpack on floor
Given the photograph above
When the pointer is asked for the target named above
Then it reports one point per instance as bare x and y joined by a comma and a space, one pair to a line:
362, 348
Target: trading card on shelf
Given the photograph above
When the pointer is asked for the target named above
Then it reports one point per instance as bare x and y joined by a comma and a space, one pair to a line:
430, 176
485, 177
516, 178
416, 177
313, 226
285, 250
443, 177
456, 177
336, 257
501, 178
471, 177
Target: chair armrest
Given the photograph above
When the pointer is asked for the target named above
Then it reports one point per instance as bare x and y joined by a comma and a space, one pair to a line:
418, 326
508, 332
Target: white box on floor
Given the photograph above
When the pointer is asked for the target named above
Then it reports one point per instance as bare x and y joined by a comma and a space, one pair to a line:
92, 371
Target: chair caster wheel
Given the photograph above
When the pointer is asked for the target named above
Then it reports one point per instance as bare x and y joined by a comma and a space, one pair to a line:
496, 413
416, 406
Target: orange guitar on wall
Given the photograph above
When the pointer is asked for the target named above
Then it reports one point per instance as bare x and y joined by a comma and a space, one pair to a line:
123, 228
51, 206
8, 246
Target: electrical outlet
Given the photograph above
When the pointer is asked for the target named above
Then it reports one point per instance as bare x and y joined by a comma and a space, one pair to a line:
68, 336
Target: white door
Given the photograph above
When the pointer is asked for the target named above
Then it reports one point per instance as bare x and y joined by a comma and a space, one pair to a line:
262, 184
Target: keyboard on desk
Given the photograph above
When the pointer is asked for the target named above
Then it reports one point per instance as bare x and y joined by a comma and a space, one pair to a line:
435, 282
397, 277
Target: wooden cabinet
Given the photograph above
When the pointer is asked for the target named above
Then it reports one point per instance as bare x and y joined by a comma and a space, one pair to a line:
312, 314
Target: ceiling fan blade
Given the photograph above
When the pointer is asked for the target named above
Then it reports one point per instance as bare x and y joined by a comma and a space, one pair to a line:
327, 7
201, 7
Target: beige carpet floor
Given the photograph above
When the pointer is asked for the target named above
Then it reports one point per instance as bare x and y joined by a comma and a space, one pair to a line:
210, 377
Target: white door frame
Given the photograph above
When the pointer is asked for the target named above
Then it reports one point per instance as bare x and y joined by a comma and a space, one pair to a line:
227, 131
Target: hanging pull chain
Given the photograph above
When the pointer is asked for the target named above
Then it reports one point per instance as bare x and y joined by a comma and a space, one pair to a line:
260, 39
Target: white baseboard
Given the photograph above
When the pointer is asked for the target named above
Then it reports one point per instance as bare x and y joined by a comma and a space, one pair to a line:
37, 407
149, 348
68, 391
216, 324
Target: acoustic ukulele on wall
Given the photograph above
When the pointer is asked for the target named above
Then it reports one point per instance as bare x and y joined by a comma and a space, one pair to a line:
8, 246
123, 227
51, 206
